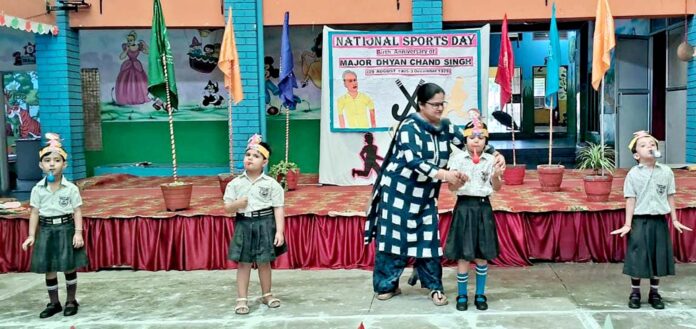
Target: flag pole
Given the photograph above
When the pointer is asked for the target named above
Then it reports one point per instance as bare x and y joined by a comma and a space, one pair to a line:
551, 130
601, 118
229, 126
287, 132
171, 117
512, 111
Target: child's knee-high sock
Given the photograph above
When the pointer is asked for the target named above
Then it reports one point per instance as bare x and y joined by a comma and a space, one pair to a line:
52, 286
71, 285
462, 280
635, 286
481, 275
654, 285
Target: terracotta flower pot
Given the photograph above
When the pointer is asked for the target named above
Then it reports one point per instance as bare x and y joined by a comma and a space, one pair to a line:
598, 188
550, 177
176, 197
291, 179
223, 179
514, 175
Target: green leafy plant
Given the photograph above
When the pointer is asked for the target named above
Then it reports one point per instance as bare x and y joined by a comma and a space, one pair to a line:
593, 157
281, 168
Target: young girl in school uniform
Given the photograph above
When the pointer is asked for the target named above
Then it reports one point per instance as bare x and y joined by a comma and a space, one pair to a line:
649, 190
55, 228
472, 235
256, 200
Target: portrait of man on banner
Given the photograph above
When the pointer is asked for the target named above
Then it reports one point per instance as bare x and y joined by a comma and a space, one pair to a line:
355, 109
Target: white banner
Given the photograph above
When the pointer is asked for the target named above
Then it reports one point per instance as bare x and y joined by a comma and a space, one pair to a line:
369, 83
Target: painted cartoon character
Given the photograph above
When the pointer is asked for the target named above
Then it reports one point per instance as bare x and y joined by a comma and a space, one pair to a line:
211, 96
17, 58
209, 50
311, 63
369, 155
270, 87
131, 82
195, 47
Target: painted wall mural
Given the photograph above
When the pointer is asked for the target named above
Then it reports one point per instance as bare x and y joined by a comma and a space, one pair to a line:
121, 56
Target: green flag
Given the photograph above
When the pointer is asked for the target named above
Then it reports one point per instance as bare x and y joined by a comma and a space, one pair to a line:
159, 45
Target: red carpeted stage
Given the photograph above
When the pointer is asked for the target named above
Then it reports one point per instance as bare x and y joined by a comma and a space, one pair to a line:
126, 225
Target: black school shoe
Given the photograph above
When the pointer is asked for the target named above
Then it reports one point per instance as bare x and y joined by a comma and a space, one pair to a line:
71, 308
655, 300
462, 303
50, 310
480, 302
634, 300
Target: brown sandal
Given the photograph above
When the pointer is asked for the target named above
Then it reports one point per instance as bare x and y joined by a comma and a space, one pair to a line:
389, 295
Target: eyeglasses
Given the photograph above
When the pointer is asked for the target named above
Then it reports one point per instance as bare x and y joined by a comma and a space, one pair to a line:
350, 80
436, 104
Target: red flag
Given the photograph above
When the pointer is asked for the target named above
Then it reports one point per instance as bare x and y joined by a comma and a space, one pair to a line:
361, 326
506, 66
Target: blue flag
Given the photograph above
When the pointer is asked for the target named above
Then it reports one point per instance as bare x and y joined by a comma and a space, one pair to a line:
553, 65
287, 77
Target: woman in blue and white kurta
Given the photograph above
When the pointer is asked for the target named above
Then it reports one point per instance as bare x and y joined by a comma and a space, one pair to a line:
403, 217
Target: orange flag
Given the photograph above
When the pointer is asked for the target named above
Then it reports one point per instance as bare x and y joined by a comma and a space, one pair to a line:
604, 42
229, 62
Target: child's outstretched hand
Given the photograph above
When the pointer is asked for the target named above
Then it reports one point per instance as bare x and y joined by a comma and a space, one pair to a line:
680, 227
623, 231
28, 243
279, 239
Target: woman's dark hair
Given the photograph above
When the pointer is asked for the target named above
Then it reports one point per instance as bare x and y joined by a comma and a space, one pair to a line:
426, 92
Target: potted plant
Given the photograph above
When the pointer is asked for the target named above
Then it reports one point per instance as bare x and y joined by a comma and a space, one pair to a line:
177, 195
600, 159
286, 173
